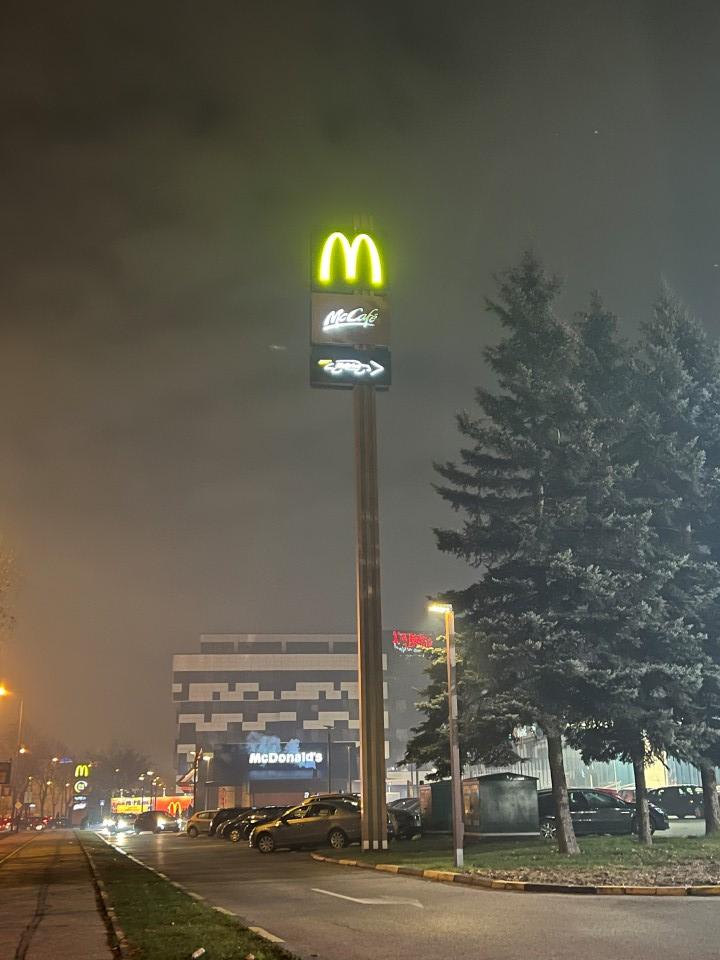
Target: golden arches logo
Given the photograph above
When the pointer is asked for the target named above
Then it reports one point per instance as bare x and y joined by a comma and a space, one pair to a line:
82, 770
174, 809
351, 252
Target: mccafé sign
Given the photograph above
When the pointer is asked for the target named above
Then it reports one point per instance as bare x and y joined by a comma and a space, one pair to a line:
348, 319
349, 313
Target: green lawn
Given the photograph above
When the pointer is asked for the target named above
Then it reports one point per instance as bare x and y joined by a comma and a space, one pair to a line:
683, 860
162, 923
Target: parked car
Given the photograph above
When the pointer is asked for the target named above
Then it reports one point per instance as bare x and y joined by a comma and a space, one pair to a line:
199, 822
593, 811
225, 813
313, 823
406, 803
241, 827
155, 821
684, 800
405, 818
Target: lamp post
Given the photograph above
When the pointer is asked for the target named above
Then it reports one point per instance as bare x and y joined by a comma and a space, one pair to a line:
458, 825
141, 778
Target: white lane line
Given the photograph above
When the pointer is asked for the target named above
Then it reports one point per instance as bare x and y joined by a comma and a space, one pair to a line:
261, 932
375, 901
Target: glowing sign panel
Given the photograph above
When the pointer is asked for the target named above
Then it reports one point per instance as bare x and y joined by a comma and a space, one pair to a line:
350, 252
411, 641
347, 318
346, 367
310, 756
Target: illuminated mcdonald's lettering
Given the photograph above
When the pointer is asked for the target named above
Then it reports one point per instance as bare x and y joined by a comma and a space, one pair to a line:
350, 252
82, 771
174, 809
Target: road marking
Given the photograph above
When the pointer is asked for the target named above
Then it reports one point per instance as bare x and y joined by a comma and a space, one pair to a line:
375, 901
261, 932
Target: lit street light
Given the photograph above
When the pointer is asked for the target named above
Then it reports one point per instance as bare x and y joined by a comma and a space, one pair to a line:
458, 825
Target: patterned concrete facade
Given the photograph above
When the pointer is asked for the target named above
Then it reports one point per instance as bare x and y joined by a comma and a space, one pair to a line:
247, 692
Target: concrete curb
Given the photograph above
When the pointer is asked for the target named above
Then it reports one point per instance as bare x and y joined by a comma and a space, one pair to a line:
526, 886
258, 931
119, 943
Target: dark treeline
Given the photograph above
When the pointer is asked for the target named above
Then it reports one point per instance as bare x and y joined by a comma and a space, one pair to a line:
589, 491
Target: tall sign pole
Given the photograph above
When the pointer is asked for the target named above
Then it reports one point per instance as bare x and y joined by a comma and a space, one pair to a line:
369, 623
349, 335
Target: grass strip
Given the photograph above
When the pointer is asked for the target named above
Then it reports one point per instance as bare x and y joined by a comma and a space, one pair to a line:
163, 923
669, 861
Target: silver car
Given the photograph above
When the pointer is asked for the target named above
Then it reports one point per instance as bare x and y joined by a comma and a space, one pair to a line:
325, 822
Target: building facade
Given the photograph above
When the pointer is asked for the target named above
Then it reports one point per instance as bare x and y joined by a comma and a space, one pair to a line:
276, 716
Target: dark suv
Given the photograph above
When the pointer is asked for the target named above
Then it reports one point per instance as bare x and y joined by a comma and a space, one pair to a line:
593, 811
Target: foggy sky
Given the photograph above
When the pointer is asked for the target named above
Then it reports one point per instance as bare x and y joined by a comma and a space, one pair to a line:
164, 470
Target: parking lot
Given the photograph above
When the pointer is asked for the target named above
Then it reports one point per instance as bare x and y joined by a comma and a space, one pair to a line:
323, 911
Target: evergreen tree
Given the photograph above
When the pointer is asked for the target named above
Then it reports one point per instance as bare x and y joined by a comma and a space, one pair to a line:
485, 732
520, 485
681, 370
647, 661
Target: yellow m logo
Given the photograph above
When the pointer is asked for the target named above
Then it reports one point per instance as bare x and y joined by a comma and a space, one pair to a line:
82, 770
350, 252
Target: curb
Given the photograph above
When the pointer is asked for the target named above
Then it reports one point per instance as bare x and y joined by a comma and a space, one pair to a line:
118, 940
258, 931
526, 886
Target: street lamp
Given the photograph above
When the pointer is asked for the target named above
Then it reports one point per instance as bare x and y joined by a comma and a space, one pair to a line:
458, 825
141, 778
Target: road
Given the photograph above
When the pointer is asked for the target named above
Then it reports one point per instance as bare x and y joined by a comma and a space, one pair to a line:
338, 913
47, 901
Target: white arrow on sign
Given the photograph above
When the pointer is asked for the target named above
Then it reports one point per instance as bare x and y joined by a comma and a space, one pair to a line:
356, 368
375, 901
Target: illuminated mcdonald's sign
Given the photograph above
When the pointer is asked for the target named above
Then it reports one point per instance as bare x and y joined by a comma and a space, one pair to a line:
82, 771
174, 809
350, 253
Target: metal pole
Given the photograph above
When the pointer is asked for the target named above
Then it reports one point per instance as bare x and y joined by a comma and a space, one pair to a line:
349, 769
458, 825
16, 769
195, 777
369, 623
329, 759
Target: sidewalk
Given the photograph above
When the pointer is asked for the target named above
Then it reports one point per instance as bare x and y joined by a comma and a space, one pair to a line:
48, 908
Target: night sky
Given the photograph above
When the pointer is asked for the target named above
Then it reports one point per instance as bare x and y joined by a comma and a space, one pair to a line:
165, 469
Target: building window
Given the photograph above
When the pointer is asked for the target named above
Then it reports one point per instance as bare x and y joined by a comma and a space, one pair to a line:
216, 695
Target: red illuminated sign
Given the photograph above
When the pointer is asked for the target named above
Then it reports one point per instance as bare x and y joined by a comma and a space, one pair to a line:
411, 641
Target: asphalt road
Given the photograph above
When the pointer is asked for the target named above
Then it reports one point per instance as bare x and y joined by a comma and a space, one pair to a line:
337, 913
